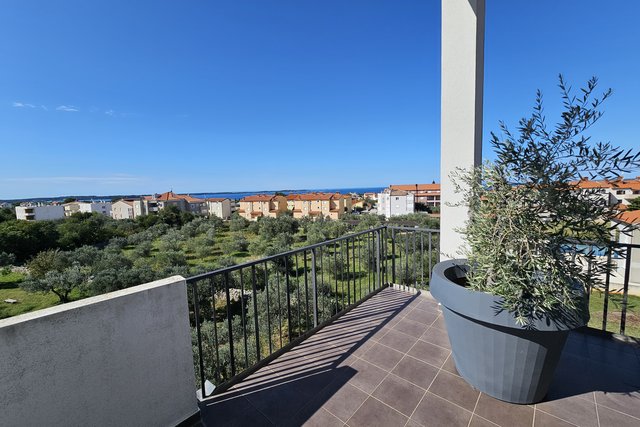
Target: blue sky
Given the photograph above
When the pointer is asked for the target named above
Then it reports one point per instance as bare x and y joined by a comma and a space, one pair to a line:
108, 97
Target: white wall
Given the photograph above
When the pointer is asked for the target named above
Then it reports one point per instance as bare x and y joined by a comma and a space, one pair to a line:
391, 205
40, 213
119, 359
461, 108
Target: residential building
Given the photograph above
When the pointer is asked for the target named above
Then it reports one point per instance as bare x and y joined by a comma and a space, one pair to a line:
427, 194
619, 191
129, 209
625, 190
103, 208
331, 205
218, 207
627, 231
262, 205
395, 202
39, 212
371, 196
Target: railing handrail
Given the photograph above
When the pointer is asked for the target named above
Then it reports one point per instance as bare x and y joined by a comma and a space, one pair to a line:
299, 250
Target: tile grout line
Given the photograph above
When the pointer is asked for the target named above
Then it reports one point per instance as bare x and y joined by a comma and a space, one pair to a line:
377, 385
616, 410
432, 381
389, 373
556, 416
474, 407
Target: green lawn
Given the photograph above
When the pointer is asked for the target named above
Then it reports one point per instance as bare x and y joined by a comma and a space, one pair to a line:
9, 289
596, 308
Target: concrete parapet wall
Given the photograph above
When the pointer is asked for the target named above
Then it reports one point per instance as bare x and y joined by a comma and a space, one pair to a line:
119, 359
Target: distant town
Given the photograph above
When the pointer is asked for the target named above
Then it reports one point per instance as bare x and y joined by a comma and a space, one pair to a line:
394, 200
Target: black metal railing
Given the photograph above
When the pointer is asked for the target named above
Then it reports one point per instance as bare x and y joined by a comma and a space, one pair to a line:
613, 307
245, 315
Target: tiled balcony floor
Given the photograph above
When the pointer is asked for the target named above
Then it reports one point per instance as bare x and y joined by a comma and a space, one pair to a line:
388, 363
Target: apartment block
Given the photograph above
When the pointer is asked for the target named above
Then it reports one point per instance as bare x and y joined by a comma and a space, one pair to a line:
331, 205
619, 191
395, 202
40, 212
218, 207
426, 194
128, 209
103, 208
262, 205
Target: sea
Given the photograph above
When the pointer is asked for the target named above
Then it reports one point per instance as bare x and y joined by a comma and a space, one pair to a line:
240, 195
232, 196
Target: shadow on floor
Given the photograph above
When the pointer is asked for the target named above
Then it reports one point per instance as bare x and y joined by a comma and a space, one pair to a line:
295, 386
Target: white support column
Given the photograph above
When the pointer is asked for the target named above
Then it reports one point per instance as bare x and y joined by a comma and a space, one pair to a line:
461, 107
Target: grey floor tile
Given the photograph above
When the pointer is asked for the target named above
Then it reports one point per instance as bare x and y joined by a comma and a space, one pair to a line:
411, 327
429, 353
367, 376
398, 341
434, 411
399, 394
436, 336
611, 418
375, 413
383, 356
454, 389
625, 401
545, 420
504, 414
573, 409
415, 371
344, 403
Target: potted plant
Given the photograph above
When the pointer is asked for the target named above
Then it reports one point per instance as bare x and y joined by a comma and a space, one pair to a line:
509, 306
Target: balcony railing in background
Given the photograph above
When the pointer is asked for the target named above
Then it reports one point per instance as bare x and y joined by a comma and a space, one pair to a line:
246, 315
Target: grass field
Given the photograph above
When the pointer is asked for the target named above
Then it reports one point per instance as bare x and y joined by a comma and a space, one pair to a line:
614, 312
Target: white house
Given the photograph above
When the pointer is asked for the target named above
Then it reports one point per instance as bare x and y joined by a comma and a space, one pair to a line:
103, 208
39, 213
395, 202
128, 209
219, 207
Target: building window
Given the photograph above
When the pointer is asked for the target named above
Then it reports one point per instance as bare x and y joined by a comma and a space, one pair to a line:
620, 192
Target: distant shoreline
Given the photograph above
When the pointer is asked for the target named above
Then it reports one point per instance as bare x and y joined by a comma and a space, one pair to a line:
227, 195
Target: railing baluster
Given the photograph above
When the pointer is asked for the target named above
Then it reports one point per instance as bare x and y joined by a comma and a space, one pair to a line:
229, 324
279, 302
430, 258
196, 314
378, 244
605, 307
355, 291
255, 311
335, 273
415, 276
625, 290
298, 293
322, 300
346, 242
215, 329
266, 288
243, 321
306, 291
393, 255
314, 286
421, 259
288, 290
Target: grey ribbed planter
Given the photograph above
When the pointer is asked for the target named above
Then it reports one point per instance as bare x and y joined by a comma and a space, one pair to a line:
491, 352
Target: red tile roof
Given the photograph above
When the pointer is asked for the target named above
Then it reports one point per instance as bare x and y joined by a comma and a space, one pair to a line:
258, 198
416, 187
629, 217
